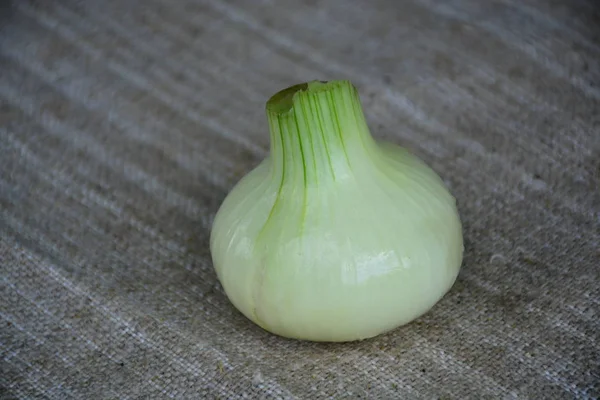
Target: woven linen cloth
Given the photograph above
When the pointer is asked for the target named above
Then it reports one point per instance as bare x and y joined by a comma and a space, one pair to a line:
124, 124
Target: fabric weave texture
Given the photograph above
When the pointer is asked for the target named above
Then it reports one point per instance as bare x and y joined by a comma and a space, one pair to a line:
124, 124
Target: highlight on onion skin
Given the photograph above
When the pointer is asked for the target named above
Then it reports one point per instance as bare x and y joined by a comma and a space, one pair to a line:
334, 236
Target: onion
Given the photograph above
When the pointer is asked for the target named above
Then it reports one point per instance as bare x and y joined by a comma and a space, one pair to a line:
334, 236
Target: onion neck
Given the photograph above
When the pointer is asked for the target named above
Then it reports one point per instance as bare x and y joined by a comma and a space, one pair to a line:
318, 132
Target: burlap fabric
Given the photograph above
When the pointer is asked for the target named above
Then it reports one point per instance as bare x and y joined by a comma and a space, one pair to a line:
123, 124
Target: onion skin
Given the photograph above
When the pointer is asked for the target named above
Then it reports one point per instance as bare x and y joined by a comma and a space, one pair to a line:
334, 236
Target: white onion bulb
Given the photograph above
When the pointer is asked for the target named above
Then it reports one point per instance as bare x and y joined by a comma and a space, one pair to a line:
334, 236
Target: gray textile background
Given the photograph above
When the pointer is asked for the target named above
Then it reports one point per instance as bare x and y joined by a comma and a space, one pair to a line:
123, 124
